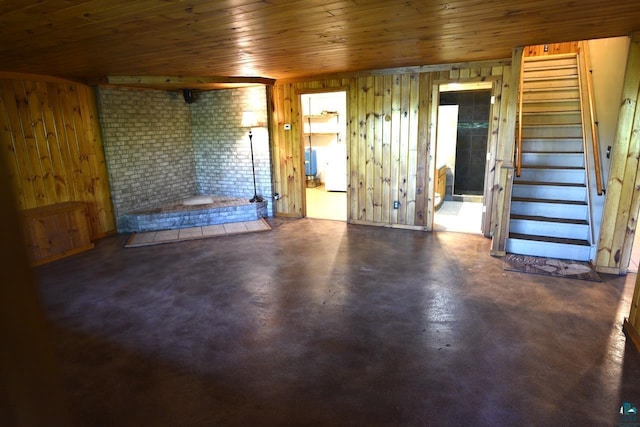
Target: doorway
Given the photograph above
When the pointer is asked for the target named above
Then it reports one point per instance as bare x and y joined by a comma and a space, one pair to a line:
462, 136
325, 149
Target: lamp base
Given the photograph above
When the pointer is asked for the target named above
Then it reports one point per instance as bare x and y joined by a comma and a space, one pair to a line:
256, 199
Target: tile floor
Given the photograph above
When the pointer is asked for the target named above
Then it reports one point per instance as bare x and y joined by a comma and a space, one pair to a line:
323, 204
168, 236
461, 217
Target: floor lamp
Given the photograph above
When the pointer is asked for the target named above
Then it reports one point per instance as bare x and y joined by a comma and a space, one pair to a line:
250, 120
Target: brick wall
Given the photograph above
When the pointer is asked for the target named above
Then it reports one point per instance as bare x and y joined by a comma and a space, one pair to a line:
160, 149
221, 146
147, 143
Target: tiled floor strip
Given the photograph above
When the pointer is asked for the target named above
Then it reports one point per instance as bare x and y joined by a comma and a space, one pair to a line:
178, 235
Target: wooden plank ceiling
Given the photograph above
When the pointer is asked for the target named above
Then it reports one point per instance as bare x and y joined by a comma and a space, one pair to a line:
213, 40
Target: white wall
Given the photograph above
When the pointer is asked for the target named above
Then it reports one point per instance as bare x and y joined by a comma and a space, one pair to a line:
608, 63
315, 104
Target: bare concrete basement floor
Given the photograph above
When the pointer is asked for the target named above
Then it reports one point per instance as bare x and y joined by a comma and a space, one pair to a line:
320, 323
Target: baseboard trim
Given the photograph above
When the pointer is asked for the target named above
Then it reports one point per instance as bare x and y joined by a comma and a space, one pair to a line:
288, 215
608, 270
387, 225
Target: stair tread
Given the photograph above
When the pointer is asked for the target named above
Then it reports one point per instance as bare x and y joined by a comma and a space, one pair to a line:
550, 113
552, 167
550, 219
552, 152
549, 184
549, 125
553, 100
529, 79
538, 64
550, 88
552, 201
550, 138
562, 240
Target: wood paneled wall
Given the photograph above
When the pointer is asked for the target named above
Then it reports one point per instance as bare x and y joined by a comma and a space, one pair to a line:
387, 151
632, 323
287, 153
552, 49
389, 140
51, 135
622, 202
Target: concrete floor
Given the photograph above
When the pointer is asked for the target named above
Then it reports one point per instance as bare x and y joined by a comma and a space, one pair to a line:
320, 323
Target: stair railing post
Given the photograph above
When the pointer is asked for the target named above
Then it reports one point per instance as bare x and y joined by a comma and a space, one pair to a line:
593, 121
519, 124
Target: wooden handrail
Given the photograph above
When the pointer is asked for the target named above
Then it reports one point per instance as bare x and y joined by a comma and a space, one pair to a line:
594, 129
519, 128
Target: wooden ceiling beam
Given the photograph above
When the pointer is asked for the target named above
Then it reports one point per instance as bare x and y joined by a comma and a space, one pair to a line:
180, 82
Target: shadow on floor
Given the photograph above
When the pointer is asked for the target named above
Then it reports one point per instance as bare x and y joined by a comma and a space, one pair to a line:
323, 323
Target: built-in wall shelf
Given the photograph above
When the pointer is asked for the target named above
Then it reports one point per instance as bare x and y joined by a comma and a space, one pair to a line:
323, 137
324, 124
321, 116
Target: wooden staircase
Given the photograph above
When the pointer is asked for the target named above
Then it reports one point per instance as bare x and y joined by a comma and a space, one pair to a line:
550, 213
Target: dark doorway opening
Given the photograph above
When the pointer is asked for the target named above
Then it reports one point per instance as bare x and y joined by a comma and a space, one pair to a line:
474, 108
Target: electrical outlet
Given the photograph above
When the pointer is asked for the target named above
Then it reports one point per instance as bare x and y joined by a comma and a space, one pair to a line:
396, 204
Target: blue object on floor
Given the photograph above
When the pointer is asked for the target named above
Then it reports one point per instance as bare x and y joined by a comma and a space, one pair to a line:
310, 162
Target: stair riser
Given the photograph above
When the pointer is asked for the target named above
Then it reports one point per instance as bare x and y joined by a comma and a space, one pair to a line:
558, 73
550, 229
546, 62
550, 192
553, 175
549, 210
557, 145
544, 86
561, 95
551, 131
553, 107
546, 249
534, 119
553, 159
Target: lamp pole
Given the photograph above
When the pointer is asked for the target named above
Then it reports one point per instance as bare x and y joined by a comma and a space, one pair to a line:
255, 198
250, 120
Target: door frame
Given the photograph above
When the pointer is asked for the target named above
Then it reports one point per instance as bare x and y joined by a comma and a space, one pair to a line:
480, 83
301, 142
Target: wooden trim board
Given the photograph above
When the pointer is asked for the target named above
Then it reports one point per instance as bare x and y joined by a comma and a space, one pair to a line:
631, 333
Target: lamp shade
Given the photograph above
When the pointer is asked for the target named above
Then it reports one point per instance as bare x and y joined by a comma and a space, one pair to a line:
249, 119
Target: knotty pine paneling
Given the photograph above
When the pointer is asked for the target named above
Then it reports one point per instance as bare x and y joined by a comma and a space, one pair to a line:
388, 142
52, 139
632, 323
288, 39
552, 49
622, 200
